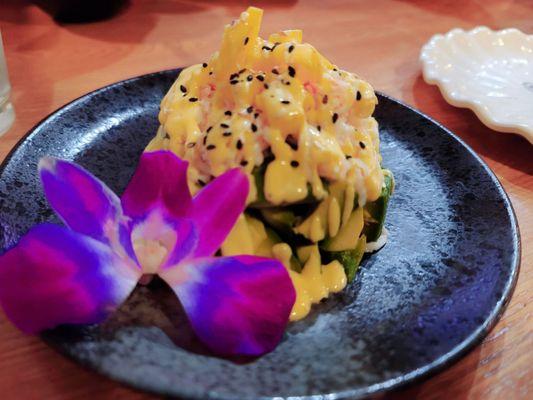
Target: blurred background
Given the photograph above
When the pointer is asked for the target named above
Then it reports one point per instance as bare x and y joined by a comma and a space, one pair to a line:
62, 49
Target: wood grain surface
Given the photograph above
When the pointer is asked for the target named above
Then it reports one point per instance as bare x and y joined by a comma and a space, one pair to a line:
51, 64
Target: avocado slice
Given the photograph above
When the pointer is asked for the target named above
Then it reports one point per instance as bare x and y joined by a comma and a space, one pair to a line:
375, 211
348, 235
350, 259
261, 201
279, 218
282, 220
259, 177
273, 238
296, 265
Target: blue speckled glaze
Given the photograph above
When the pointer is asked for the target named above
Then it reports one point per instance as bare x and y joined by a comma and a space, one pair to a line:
429, 295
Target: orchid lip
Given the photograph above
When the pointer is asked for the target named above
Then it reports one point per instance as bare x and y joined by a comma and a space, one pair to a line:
150, 254
156, 236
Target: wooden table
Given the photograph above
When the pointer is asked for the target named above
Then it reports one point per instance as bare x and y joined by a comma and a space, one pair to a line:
51, 64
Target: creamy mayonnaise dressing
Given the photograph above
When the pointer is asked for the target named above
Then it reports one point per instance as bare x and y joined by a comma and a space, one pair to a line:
314, 283
279, 102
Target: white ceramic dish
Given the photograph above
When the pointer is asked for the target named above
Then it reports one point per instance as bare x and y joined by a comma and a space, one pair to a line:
489, 72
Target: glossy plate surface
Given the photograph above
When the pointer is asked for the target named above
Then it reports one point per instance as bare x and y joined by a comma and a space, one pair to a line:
417, 305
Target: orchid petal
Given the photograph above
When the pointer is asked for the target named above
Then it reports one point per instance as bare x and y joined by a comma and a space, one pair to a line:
216, 208
85, 204
236, 305
55, 276
160, 181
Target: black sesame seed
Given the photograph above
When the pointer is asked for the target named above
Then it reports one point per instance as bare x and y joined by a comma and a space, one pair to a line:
167, 136
210, 72
244, 163
292, 142
287, 83
193, 99
285, 102
209, 129
239, 144
260, 77
249, 78
226, 134
234, 81
205, 140
362, 145
191, 145
250, 109
319, 128
294, 164
358, 96
228, 113
292, 71
291, 48
183, 89
211, 147
256, 115
233, 76
200, 182
335, 69
204, 65
241, 71
246, 40
266, 48
325, 99
266, 85
275, 71
335, 117
224, 125
254, 128
348, 157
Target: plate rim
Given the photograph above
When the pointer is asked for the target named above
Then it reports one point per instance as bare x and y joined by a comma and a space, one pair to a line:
415, 376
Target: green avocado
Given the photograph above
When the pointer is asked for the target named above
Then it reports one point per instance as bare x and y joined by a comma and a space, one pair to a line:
375, 211
274, 238
283, 220
261, 201
279, 218
350, 259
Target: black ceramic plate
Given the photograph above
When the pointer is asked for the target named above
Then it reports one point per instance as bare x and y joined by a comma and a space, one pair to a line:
416, 306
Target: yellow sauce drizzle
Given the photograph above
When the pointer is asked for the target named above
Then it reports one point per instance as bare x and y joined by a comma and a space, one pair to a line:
314, 283
281, 94
279, 98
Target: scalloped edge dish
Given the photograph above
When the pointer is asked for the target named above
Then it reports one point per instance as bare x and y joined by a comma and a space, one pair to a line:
451, 74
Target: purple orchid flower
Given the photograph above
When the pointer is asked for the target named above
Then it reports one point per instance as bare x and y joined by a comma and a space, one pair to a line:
79, 275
